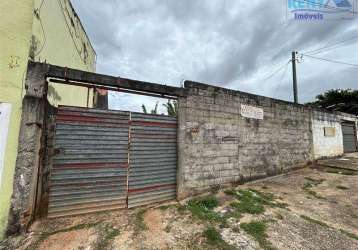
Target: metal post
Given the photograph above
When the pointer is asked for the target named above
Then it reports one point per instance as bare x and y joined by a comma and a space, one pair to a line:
294, 74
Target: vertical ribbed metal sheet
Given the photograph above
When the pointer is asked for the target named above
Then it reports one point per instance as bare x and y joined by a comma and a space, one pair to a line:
153, 159
89, 168
349, 137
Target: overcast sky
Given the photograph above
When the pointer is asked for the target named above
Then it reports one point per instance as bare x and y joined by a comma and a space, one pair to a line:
235, 44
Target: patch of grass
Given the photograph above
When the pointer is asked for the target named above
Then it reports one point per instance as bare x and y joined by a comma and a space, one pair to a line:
210, 202
310, 184
165, 207
279, 216
236, 230
253, 201
108, 234
281, 205
257, 229
318, 222
266, 198
314, 194
315, 181
212, 235
214, 238
248, 206
231, 192
349, 234
355, 216
234, 214
139, 221
340, 171
307, 185
215, 189
342, 187
181, 209
167, 228
202, 208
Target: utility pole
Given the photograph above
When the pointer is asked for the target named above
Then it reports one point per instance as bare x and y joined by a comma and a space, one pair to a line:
294, 74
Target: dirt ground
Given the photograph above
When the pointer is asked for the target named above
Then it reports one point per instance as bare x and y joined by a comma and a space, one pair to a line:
305, 209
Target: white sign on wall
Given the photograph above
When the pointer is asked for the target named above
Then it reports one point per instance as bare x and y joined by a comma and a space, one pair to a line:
252, 112
5, 109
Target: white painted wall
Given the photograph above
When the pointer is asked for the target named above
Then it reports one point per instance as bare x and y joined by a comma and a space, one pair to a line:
5, 110
324, 146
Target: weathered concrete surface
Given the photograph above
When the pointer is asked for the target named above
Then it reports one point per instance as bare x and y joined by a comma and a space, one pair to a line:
348, 161
112, 81
29, 156
217, 145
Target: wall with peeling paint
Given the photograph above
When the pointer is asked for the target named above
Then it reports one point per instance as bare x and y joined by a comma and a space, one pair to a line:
326, 144
327, 133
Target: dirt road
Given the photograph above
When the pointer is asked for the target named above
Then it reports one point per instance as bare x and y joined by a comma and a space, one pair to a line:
304, 209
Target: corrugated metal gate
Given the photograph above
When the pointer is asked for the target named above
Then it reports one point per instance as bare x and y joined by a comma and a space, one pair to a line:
349, 137
106, 160
153, 159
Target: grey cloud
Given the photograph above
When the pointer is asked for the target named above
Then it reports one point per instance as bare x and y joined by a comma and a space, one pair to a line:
230, 43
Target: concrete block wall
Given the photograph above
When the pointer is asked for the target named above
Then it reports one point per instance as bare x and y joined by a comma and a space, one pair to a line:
217, 145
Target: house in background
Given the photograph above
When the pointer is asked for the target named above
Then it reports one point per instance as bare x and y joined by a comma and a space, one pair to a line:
43, 31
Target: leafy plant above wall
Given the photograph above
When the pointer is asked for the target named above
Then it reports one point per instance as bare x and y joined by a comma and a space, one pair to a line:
344, 100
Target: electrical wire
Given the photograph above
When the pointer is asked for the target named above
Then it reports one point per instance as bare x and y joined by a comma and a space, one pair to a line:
276, 71
38, 15
284, 73
39, 9
329, 47
332, 61
45, 39
282, 78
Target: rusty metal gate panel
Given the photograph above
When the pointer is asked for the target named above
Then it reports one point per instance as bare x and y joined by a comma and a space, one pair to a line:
153, 159
89, 171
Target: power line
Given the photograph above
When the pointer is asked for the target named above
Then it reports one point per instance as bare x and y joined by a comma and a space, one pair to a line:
276, 71
284, 73
44, 41
39, 9
332, 61
330, 47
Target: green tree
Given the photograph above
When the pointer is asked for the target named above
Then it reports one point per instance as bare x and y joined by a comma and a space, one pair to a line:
153, 111
345, 100
172, 108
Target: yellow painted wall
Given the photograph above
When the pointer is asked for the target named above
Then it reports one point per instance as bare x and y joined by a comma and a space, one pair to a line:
21, 36
61, 40
15, 32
